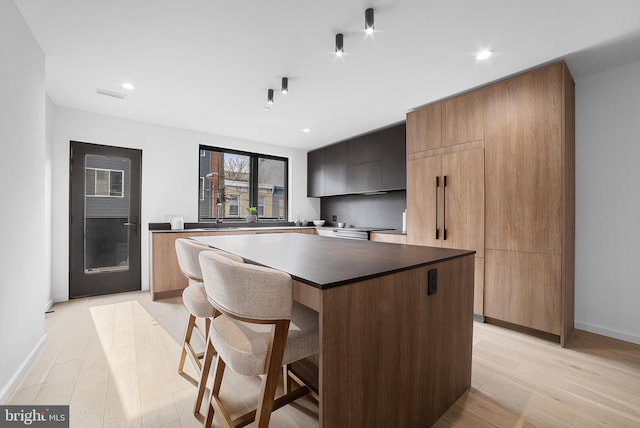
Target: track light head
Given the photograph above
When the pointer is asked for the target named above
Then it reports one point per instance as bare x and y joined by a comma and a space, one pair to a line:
270, 96
368, 21
339, 44
285, 85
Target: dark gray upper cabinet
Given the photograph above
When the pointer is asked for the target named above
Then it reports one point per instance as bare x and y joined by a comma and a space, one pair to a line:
364, 149
335, 169
369, 163
315, 173
394, 158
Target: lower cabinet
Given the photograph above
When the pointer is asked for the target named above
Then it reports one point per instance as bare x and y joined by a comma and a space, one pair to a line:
522, 288
393, 238
165, 277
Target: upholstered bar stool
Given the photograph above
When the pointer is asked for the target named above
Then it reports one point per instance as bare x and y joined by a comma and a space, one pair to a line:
194, 296
261, 329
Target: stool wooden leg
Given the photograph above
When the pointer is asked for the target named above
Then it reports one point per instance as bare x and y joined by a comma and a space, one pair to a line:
286, 380
204, 375
187, 339
215, 392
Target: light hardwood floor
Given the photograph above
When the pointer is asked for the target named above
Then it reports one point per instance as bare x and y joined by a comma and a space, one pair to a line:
113, 359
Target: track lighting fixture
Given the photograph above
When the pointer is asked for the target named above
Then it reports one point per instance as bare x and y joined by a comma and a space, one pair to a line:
270, 96
368, 21
285, 85
339, 44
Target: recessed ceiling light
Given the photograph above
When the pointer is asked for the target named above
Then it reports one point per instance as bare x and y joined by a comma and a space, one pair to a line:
306, 130
128, 86
484, 54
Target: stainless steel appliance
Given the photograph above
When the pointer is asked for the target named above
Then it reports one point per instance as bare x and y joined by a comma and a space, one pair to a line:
355, 232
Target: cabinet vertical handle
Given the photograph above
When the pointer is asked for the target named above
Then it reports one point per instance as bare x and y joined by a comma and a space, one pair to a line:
437, 228
444, 208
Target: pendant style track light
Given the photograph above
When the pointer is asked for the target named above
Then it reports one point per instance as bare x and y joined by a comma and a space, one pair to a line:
285, 85
339, 44
368, 21
270, 96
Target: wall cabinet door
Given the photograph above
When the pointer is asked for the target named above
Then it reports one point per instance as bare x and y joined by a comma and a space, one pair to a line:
394, 159
335, 169
462, 119
315, 173
424, 128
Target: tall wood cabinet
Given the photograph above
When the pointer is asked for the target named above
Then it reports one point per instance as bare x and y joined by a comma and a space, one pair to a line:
530, 169
508, 153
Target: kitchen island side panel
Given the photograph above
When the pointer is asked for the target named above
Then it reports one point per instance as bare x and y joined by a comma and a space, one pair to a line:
403, 356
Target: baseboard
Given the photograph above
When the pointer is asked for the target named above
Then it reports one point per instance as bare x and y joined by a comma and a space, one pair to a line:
627, 337
48, 305
8, 389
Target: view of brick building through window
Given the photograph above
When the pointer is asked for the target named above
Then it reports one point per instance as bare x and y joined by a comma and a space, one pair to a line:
239, 181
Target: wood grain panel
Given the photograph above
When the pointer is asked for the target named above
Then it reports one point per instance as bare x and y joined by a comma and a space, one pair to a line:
462, 119
388, 237
421, 200
464, 200
398, 356
167, 279
478, 287
523, 155
524, 289
424, 128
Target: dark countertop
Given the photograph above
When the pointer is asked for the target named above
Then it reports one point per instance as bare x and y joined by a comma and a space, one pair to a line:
231, 229
325, 262
227, 224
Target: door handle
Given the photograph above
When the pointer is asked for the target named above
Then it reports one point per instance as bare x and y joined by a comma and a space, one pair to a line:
133, 225
437, 228
444, 208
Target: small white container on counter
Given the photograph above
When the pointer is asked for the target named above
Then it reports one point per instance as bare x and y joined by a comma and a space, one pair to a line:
177, 223
404, 221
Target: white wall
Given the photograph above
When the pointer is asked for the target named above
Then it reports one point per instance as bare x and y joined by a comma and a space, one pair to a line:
169, 175
608, 203
25, 281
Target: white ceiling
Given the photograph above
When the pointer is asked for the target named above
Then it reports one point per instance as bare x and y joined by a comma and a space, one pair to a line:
206, 65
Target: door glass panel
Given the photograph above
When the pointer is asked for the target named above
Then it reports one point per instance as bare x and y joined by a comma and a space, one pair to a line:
106, 209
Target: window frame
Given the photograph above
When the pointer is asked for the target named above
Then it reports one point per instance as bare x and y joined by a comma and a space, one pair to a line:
95, 182
253, 179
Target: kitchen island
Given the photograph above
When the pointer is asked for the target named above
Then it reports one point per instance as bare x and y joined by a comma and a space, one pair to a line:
396, 322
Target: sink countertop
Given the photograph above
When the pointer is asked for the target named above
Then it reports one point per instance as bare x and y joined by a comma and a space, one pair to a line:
223, 229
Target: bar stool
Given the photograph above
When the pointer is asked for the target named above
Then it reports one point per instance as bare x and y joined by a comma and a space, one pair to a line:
260, 330
195, 300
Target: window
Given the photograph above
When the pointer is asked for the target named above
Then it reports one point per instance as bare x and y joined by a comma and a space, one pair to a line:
233, 206
239, 180
104, 182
